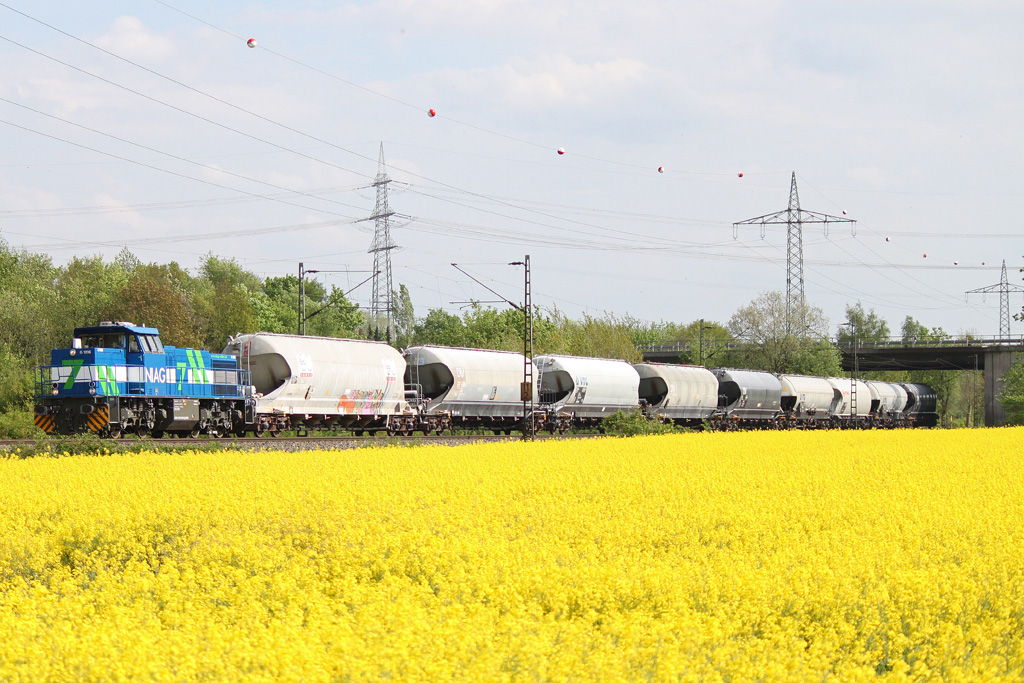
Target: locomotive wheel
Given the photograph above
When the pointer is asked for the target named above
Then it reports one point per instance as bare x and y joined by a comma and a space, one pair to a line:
113, 432
193, 433
142, 431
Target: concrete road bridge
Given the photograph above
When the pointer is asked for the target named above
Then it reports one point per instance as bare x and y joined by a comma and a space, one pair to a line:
991, 355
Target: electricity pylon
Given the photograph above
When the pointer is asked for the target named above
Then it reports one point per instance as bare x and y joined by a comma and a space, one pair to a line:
381, 304
1004, 288
794, 219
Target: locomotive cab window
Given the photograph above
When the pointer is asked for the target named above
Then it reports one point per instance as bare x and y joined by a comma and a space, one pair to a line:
150, 343
103, 341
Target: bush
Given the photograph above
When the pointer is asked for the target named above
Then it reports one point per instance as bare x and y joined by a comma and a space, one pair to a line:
1012, 395
19, 424
634, 423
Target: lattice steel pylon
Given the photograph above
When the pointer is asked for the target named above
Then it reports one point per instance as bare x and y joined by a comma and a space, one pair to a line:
1004, 288
381, 304
794, 218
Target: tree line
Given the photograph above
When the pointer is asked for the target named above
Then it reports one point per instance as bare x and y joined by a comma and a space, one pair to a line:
42, 302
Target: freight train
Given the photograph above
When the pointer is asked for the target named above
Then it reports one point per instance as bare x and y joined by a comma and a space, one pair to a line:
118, 378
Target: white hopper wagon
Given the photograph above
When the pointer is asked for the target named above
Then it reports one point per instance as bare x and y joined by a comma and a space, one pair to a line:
888, 400
468, 388
853, 399
585, 390
323, 381
807, 400
685, 394
748, 395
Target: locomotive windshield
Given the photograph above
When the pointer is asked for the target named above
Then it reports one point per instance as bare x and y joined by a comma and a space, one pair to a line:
142, 343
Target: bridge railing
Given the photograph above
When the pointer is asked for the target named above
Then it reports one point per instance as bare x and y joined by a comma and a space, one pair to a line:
893, 342
957, 341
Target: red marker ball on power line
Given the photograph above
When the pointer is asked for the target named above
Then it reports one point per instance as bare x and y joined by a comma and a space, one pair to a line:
661, 169
431, 113
251, 42
740, 175
924, 256
561, 150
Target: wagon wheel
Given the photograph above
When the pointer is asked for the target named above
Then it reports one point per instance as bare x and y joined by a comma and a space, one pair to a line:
275, 432
193, 433
142, 431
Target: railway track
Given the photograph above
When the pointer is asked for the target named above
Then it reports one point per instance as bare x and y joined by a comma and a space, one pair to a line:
310, 442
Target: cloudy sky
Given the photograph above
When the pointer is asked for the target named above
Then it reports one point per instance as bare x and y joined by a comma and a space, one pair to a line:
150, 125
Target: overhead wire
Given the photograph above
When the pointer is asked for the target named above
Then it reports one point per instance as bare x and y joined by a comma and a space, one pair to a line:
437, 224
185, 160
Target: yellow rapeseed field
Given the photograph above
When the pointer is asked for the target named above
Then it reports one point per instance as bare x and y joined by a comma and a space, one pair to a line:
846, 556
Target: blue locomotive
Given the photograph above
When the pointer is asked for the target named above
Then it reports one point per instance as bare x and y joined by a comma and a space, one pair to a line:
118, 378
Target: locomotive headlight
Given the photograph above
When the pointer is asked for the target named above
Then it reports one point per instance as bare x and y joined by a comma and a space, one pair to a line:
55, 392
92, 391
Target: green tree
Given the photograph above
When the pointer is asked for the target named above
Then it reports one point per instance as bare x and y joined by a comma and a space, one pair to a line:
156, 295
222, 296
774, 344
862, 326
333, 316
16, 390
440, 328
282, 313
404, 317
606, 337
488, 328
85, 288
30, 324
1012, 395
944, 382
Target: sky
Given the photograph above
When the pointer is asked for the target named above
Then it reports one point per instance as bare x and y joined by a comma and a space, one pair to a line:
151, 126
